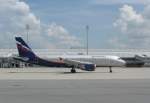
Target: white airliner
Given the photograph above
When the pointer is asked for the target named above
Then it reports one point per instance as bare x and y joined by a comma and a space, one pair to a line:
83, 62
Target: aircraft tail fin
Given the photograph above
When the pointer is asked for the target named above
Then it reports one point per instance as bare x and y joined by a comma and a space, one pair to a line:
23, 49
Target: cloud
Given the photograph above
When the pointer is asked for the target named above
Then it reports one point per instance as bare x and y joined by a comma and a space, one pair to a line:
128, 16
134, 26
15, 15
62, 36
120, 1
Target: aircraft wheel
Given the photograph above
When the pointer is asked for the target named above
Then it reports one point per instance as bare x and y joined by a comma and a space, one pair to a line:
73, 71
110, 69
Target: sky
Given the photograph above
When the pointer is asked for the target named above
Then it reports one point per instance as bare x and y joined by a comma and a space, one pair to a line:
113, 24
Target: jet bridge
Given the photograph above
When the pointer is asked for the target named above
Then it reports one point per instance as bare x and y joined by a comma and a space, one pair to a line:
133, 62
143, 58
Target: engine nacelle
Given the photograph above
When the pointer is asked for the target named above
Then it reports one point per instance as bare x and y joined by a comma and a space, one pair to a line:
87, 67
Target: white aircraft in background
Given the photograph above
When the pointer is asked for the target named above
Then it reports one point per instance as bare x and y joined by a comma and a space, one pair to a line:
83, 62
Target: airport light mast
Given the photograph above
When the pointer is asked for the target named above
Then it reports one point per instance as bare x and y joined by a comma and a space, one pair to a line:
87, 39
27, 28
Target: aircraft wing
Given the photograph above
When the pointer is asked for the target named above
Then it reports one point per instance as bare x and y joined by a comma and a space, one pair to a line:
24, 59
87, 66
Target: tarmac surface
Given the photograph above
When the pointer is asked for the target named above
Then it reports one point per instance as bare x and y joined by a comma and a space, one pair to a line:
64, 73
55, 85
75, 91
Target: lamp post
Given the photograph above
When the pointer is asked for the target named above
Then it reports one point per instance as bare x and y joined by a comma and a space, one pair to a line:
27, 28
87, 39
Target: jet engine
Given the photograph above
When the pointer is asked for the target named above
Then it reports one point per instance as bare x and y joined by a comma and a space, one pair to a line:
87, 67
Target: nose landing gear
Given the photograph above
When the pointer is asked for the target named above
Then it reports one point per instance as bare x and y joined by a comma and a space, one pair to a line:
110, 69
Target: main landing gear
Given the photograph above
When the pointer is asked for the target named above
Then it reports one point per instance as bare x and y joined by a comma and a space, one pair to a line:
110, 69
73, 70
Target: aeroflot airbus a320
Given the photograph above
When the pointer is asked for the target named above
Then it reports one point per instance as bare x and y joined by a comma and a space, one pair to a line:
83, 62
